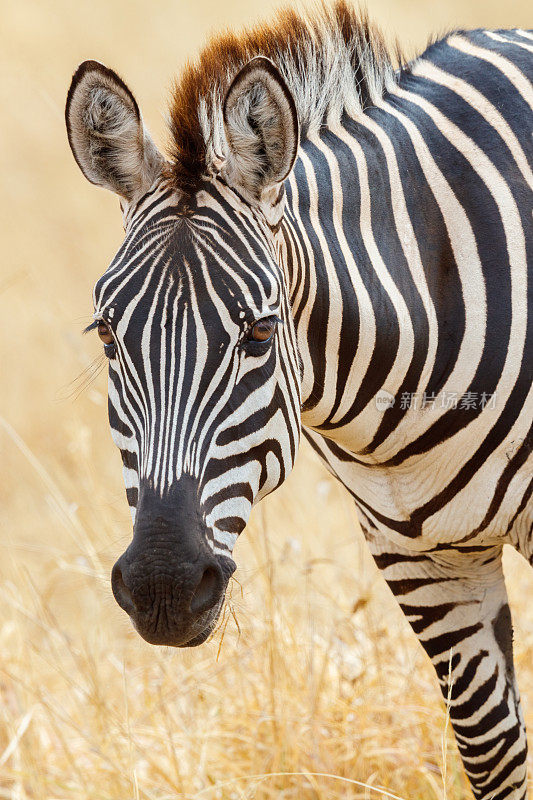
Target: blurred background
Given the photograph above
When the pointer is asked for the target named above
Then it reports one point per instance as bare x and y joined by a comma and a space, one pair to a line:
313, 686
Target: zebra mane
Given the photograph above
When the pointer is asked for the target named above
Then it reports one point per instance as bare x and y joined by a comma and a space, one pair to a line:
332, 60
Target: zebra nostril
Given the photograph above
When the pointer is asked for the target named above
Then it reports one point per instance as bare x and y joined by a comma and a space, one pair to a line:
122, 594
207, 592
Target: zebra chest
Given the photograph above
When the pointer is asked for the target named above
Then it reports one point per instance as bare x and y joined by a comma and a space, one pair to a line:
417, 504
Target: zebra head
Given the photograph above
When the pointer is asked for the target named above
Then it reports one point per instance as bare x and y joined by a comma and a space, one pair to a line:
194, 316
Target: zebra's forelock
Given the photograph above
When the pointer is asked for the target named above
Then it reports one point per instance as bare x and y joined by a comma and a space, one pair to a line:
333, 61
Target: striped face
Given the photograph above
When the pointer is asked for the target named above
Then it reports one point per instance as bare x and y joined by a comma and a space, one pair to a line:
204, 385
203, 375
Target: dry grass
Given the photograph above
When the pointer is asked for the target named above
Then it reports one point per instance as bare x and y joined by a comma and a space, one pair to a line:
324, 686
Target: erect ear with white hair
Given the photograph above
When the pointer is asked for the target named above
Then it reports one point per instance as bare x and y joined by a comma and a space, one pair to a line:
261, 128
106, 133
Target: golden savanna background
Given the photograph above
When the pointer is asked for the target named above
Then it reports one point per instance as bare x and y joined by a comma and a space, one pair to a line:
314, 686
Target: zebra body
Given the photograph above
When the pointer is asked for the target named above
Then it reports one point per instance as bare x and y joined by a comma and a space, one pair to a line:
438, 547
346, 249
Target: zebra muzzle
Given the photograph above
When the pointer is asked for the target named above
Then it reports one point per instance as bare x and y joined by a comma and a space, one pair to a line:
169, 581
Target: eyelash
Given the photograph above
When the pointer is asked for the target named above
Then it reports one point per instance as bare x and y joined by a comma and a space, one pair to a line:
110, 349
92, 327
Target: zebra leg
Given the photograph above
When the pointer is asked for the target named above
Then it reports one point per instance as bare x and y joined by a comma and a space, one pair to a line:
457, 605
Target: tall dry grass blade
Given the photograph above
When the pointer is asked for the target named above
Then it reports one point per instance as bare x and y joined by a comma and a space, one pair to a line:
445, 731
266, 775
66, 513
19, 733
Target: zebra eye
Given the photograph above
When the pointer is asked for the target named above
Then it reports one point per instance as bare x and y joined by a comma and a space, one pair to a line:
263, 329
104, 333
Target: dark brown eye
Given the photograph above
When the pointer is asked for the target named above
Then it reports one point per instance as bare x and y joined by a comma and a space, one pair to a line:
104, 333
263, 330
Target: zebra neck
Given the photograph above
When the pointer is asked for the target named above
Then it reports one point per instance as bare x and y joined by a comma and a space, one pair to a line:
360, 320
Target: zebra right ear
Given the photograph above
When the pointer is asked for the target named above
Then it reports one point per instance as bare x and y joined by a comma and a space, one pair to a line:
106, 133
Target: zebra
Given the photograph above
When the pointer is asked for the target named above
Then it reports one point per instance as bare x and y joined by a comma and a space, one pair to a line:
336, 247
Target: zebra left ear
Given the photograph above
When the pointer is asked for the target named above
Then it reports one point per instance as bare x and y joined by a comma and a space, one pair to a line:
261, 126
